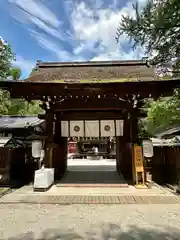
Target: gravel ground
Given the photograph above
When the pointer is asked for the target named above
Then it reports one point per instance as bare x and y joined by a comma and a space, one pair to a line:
127, 222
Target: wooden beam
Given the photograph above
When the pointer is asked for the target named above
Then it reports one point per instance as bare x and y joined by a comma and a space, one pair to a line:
91, 104
91, 115
87, 115
35, 91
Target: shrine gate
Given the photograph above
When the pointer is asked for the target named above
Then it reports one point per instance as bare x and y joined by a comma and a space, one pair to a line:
107, 94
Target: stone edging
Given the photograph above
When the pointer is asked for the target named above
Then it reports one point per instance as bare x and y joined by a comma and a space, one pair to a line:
89, 199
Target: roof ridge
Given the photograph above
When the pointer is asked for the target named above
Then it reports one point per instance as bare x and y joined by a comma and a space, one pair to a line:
92, 63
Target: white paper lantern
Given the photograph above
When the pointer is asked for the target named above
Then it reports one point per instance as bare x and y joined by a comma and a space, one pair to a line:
148, 148
36, 148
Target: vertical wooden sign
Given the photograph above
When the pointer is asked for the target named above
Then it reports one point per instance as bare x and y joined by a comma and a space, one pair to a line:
138, 161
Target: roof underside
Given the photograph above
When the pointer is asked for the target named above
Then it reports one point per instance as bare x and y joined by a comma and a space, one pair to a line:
84, 72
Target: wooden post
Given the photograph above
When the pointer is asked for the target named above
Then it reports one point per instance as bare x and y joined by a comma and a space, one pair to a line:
134, 127
123, 155
134, 139
49, 139
59, 161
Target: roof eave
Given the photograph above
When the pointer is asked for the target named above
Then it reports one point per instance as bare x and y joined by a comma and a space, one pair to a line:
40, 64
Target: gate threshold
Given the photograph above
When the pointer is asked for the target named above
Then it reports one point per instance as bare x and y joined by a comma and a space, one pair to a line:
93, 185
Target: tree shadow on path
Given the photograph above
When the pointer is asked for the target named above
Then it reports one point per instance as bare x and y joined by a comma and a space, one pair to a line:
106, 232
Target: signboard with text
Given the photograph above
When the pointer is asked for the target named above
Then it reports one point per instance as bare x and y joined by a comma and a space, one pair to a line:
138, 159
139, 167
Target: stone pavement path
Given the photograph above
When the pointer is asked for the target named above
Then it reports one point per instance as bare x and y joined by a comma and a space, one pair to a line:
89, 195
89, 222
88, 199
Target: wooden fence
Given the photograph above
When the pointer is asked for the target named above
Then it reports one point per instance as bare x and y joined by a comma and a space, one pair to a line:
16, 166
166, 165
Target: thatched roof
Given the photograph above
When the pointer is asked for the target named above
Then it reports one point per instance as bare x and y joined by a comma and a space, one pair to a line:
105, 71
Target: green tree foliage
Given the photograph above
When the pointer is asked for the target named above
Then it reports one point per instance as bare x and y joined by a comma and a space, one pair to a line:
162, 114
156, 28
6, 58
9, 106
15, 73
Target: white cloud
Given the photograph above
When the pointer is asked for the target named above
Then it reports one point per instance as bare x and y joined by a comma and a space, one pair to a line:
92, 29
46, 42
56, 49
35, 14
37, 9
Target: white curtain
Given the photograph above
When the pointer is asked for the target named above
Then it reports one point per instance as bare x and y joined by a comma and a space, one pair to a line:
64, 129
119, 127
77, 128
107, 128
92, 128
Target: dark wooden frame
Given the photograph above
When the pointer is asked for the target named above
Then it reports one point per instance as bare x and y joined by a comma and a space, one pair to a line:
92, 101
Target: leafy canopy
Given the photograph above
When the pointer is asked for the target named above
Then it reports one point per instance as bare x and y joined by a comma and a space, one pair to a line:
15, 73
6, 58
156, 28
9, 106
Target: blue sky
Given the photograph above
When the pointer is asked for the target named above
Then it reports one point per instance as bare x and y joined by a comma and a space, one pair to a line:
65, 30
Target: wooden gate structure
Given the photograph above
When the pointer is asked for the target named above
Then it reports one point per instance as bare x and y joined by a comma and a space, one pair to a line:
91, 91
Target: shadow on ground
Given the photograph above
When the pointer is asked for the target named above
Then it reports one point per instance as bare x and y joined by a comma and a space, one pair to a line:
106, 232
85, 177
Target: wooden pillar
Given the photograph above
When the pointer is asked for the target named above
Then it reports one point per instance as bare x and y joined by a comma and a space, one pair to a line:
123, 151
118, 154
133, 138
49, 126
49, 139
134, 127
59, 152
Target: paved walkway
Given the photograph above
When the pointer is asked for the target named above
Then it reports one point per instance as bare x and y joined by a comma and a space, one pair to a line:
89, 222
95, 195
91, 165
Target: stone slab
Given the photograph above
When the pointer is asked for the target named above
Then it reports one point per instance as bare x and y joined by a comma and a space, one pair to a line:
77, 199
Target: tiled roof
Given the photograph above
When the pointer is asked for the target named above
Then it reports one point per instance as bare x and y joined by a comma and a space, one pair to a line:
106, 71
12, 122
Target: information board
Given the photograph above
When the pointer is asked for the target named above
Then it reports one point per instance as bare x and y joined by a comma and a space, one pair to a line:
138, 162
138, 159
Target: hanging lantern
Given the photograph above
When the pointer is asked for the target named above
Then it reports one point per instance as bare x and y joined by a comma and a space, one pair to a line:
36, 148
148, 148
